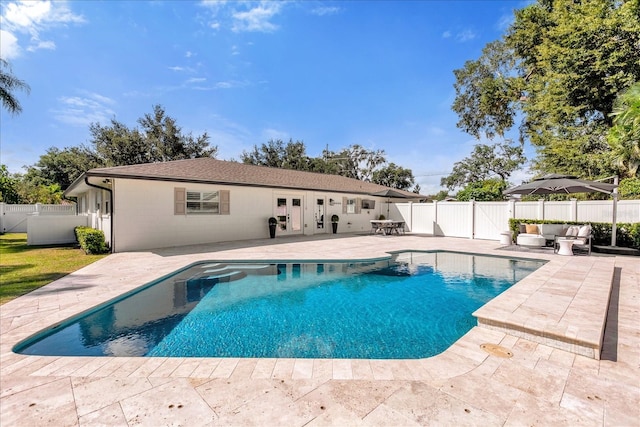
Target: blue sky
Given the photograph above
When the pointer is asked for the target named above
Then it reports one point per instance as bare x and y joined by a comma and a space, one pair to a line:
374, 73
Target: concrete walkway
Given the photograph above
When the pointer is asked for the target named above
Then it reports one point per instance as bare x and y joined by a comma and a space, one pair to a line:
465, 385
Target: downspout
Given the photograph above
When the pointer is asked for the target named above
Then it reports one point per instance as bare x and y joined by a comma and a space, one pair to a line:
86, 181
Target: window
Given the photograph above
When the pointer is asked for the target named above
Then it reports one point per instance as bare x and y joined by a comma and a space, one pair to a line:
351, 206
368, 204
201, 202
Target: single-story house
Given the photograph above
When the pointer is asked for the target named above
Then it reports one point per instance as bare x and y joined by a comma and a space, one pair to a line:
205, 200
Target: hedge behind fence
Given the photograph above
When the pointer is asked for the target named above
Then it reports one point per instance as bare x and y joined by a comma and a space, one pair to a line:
91, 241
627, 234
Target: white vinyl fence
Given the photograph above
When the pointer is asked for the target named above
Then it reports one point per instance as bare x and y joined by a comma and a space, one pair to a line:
486, 220
13, 218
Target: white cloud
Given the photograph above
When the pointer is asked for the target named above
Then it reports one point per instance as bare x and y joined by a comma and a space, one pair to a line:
32, 19
326, 10
243, 16
275, 134
465, 35
257, 19
9, 47
461, 36
84, 109
39, 44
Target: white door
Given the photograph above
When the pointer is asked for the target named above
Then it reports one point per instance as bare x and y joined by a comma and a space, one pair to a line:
319, 216
289, 215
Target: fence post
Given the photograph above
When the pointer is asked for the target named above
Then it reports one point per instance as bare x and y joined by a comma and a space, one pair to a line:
409, 221
574, 210
1, 217
472, 204
435, 217
540, 209
511, 212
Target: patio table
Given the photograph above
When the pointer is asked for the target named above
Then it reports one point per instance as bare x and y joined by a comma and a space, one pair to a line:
387, 226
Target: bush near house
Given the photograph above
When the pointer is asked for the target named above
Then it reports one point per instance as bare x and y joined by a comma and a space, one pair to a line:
91, 240
627, 234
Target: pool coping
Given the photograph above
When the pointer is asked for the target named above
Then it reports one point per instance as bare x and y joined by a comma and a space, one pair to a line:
579, 295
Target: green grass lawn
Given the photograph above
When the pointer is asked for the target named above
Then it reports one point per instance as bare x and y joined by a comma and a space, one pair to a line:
25, 268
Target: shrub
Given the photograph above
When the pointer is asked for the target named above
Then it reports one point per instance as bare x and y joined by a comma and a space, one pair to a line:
91, 240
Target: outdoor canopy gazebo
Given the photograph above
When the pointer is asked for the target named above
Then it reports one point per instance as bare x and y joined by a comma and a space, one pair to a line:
567, 184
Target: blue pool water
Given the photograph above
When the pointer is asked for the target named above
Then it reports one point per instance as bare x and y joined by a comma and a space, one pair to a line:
413, 305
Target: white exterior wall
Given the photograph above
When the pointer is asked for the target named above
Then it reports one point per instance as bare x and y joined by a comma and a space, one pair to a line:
144, 215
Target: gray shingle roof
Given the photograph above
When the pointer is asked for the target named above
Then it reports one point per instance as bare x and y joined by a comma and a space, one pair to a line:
208, 170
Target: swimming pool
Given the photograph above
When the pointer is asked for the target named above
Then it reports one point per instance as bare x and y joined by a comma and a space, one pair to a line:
410, 305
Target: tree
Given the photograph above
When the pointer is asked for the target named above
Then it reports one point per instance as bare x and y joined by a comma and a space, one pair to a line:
31, 193
394, 176
165, 141
440, 195
486, 161
276, 154
624, 136
357, 162
117, 145
8, 186
487, 190
558, 68
487, 92
61, 167
8, 85
160, 139
629, 188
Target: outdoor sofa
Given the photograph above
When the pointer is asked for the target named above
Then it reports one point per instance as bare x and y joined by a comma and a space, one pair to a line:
537, 235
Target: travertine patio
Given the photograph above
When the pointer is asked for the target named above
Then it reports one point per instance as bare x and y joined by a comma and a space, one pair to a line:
541, 384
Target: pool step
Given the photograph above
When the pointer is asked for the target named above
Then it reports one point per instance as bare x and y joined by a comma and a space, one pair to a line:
212, 279
249, 268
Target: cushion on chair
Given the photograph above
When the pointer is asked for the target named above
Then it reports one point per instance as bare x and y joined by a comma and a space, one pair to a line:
584, 231
572, 231
522, 229
532, 229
